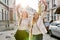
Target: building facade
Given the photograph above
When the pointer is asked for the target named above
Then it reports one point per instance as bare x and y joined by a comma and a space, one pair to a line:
12, 14
52, 7
7, 8
4, 9
7, 13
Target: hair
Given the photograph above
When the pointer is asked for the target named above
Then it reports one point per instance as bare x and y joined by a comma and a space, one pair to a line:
34, 20
22, 15
25, 12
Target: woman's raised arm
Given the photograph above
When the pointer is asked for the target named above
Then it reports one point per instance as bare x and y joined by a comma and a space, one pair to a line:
17, 9
45, 10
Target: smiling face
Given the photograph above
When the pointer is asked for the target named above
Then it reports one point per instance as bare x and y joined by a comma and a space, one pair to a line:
36, 16
24, 14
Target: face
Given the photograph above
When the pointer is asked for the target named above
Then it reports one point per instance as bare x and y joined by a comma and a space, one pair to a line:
25, 14
36, 16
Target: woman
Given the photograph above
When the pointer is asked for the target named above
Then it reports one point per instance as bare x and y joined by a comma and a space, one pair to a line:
38, 28
22, 33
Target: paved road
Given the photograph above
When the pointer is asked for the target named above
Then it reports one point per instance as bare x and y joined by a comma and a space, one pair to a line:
47, 37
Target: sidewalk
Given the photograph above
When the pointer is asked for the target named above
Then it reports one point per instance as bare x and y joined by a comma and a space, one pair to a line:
8, 34
48, 37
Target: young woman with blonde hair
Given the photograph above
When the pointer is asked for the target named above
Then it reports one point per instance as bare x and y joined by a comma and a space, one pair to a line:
38, 28
22, 33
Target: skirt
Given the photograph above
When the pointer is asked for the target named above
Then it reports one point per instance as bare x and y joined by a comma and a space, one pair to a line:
21, 35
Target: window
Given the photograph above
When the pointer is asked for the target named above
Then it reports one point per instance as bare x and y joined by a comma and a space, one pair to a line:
52, 14
2, 14
7, 2
5, 15
55, 17
48, 16
53, 3
48, 4
0, 9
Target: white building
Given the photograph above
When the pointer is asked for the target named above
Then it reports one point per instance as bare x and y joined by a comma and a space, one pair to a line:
58, 9
7, 12
5, 6
52, 7
4, 9
12, 15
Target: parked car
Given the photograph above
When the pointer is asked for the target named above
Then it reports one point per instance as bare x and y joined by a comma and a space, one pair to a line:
54, 29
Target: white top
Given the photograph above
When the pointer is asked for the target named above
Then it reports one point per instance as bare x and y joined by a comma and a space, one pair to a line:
40, 25
35, 30
24, 24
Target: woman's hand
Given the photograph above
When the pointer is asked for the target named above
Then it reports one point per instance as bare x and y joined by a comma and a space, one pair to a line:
17, 9
45, 4
18, 13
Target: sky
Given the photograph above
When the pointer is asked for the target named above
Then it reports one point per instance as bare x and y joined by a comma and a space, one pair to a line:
31, 3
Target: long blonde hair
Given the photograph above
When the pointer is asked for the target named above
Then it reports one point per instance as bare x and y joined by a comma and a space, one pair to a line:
23, 16
34, 20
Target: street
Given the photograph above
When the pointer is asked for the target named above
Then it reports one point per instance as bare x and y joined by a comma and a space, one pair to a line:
33, 16
47, 37
8, 33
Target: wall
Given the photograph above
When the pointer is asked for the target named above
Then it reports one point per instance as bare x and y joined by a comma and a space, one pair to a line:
12, 10
4, 14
